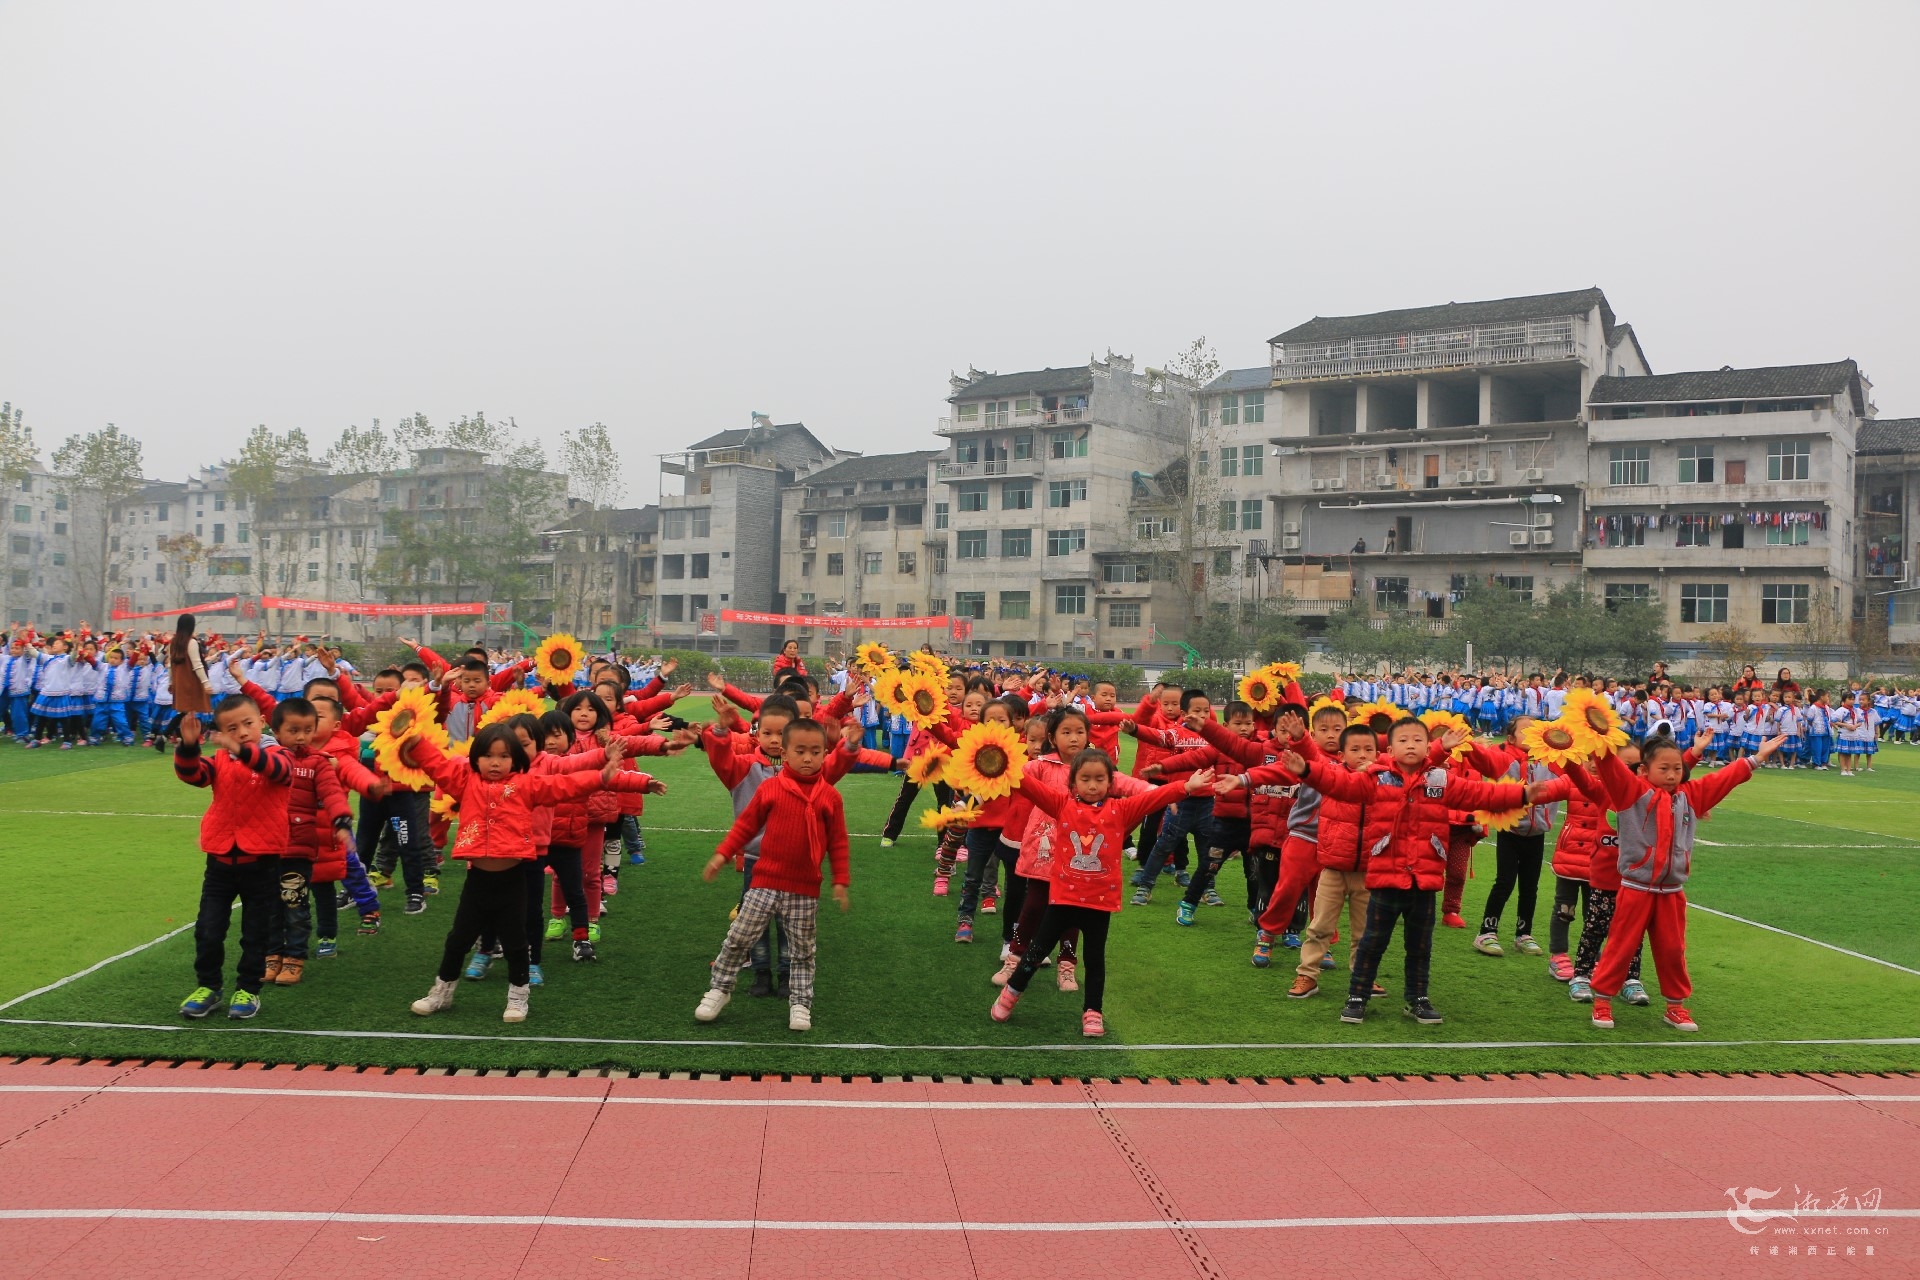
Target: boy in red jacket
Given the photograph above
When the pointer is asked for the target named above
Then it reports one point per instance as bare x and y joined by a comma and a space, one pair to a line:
243, 835
801, 824
317, 818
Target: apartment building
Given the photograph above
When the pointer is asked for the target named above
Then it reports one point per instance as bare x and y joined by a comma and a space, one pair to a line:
1422, 450
42, 585
318, 538
719, 543
1033, 537
1887, 508
597, 573
853, 541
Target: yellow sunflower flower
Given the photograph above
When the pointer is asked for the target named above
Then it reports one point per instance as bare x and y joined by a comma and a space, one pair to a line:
925, 703
1260, 690
1379, 715
1440, 722
1506, 820
442, 806
989, 760
929, 664
514, 702
1556, 742
1593, 718
892, 689
388, 753
873, 658
954, 815
928, 767
1284, 673
559, 659
412, 709
1322, 702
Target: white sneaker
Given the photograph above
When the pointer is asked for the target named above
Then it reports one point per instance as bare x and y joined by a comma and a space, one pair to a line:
799, 1018
711, 1004
1006, 949
516, 1004
441, 997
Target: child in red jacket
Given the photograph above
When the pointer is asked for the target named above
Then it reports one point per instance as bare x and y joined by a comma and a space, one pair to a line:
802, 826
243, 835
317, 819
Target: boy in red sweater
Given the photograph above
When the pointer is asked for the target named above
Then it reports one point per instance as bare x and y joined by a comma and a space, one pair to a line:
801, 824
243, 835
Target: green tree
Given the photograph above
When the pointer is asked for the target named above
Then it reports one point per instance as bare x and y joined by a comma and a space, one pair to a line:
592, 466
1217, 637
365, 451
1351, 641
99, 470
18, 452
267, 459
1277, 636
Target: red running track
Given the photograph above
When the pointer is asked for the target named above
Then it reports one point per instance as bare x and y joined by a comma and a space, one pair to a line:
181, 1170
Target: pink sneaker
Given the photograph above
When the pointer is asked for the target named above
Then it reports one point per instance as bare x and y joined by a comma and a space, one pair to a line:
1561, 967
1007, 967
1003, 1004
1092, 1025
940, 886
609, 885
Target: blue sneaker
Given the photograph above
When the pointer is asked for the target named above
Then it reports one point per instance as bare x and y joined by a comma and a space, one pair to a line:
324, 947
1633, 992
202, 1002
1262, 949
1328, 962
636, 859
1184, 915
477, 966
1290, 940
243, 1005
1182, 879
534, 977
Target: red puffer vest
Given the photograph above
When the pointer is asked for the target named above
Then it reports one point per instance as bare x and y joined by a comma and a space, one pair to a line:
570, 817
1342, 824
1580, 839
1404, 826
315, 803
248, 810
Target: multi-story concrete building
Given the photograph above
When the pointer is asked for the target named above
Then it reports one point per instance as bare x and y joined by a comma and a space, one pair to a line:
1728, 496
42, 585
720, 537
318, 538
1424, 449
1032, 507
853, 541
601, 570
1887, 515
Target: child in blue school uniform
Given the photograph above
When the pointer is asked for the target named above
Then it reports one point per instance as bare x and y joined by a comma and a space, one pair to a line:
1817, 725
113, 690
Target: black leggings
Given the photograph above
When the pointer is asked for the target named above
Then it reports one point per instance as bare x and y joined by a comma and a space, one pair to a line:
565, 859
1516, 861
492, 903
909, 792
1092, 924
1567, 894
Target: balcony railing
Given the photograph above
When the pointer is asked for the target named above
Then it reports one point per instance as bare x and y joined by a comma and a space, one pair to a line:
1524, 343
990, 467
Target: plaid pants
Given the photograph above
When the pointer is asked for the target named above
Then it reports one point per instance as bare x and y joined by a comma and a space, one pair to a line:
1385, 909
799, 916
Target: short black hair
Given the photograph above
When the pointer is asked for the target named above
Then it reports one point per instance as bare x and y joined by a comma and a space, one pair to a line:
287, 708
1404, 721
410, 667
482, 745
1087, 756
1018, 709
1108, 683
1237, 708
552, 722
804, 724
308, 688
602, 718
1190, 696
780, 705
474, 664
1330, 709
388, 673
339, 711
232, 702
1357, 731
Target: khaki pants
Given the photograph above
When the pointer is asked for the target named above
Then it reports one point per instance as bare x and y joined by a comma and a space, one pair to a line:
1335, 888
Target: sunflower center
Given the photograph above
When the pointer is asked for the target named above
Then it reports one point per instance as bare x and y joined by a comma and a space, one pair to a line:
991, 762
1557, 738
401, 722
560, 660
923, 702
1597, 719
1380, 722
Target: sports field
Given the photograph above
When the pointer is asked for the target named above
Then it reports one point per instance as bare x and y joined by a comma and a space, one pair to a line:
97, 861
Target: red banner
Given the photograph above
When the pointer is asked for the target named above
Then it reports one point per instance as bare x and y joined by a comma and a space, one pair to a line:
831, 622
228, 605
472, 610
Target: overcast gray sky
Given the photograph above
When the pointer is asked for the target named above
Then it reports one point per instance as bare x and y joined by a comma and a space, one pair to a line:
664, 217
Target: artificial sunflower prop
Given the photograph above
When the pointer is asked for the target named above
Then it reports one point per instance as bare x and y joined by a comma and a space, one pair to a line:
873, 658
1506, 820
926, 700
1322, 702
442, 806
988, 761
1440, 723
1260, 690
928, 767
929, 664
954, 815
1555, 742
1592, 718
1378, 715
514, 702
559, 659
892, 689
1284, 673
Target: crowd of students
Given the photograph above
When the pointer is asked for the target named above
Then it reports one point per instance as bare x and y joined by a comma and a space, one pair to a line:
1359, 809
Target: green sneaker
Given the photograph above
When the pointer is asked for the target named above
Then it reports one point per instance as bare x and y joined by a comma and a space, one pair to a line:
243, 1005
1488, 945
593, 933
555, 927
1526, 946
202, 1002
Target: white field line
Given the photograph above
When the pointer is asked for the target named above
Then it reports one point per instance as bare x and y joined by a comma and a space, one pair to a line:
1801, 937
787, 1224
604, 1098
95, 967
1683, 1042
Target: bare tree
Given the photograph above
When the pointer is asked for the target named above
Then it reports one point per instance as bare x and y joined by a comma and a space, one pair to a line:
1174, 514
592, 465
99, 470
18, 453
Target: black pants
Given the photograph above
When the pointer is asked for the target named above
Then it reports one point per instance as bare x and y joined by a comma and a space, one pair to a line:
1516, 862
1149, 831
492, 903
569, 872
909, 792
987, 853
1593, 935
1224, 837
409, 808
1092, 924
290, 926
1386, 908
1567, 895
257, 885
1263, 877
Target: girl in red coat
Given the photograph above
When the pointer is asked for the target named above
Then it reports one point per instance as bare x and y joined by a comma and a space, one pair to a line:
1085, 877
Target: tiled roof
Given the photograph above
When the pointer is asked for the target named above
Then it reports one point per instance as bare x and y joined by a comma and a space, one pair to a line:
634, 520
1538, 306
741, 435
875, 466
162, 491
1072, 380
1888, 435
1240, 380
1776, 382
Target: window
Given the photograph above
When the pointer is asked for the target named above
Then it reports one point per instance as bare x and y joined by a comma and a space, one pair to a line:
1230, 461
22, 514
1070, 601
993, 413
1788, 459
871, 562
266, 542
359, 536
806, 599
1521, 585
673, 527
22, 578
1222, 562
160, 513
1389, 593
937, 606
1229, 409
969, 413
1250, 509
219, 502
970, 604
313, 571
873, 515
939, 552
973, 497
160, 573
1025, 407
673, 608
1129, 571
837, 526
1067, 444
940, 518
966, 451
1253, 408
673, 566
1696, 464
910, 515
59, 502
909, 564
1787, 535
1783, 603
219, 535
1023, 448
905, 611
313, 540
870, 610
1016, 544
697, 564
836, 564
1016, 606
1062, 542
1016, 497
59, 559
1227, 518
1123, 615
971, 544
21, 545
1253, 460
1696, 529
1630, 464
702, 522
1064, 493
1619, 593
1703, 602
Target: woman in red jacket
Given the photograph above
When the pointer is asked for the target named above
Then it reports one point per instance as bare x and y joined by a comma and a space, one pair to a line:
788, 662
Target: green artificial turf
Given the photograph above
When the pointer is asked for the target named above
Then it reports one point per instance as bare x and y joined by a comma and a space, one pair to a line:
97, 855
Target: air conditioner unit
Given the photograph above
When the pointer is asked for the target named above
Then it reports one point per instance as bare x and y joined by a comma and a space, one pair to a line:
1318, 485
1290, 526
1336, 483
1463, 477
1289, 542
1383, 482
1516, 537
1543, 519
1543, 537
1484, 475
1536, 474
